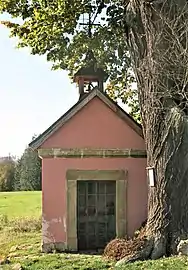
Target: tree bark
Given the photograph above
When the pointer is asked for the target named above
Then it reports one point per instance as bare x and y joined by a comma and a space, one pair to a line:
158, 46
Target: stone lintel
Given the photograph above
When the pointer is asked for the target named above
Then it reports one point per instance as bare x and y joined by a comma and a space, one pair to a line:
84, 175
92, 152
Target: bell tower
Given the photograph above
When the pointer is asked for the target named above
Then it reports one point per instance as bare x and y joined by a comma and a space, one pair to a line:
90, 76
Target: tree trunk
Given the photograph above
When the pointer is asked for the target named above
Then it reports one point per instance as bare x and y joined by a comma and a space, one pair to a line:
158, 46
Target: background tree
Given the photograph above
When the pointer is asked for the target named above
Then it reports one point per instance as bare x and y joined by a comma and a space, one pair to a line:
7, 169
53, 28
28, 171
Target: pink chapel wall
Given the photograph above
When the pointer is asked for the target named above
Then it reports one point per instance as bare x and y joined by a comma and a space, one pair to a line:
54, 191
95, 126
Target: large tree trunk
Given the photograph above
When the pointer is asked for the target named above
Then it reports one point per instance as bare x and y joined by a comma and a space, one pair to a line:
158, 41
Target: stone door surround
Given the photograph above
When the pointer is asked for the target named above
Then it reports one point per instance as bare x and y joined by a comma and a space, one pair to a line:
72, 176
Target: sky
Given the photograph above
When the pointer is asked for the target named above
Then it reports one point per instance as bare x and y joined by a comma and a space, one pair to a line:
32, 96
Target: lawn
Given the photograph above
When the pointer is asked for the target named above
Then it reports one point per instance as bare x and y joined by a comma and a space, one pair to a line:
20, 204
24, 247
26, 251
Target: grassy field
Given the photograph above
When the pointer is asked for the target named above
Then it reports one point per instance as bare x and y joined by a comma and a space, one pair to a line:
20, 239
20, 204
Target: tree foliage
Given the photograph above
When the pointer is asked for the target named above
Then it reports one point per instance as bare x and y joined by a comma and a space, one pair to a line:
7, 169
28, 171
52, 28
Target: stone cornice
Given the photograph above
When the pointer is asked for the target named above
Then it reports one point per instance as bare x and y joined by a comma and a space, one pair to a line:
91, 152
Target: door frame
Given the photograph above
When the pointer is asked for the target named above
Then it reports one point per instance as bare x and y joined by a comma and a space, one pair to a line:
72, 176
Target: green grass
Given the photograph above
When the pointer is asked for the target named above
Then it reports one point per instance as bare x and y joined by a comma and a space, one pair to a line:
17, 208
20, 204
173, 263
29, 256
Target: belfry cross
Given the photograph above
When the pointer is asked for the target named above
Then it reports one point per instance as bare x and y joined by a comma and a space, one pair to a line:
90, 24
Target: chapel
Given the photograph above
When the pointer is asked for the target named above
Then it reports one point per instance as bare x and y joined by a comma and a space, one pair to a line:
94, 183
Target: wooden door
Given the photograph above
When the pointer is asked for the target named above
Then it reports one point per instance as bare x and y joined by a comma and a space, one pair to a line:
96, 214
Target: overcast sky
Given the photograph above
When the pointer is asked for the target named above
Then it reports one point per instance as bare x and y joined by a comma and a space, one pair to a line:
32, 96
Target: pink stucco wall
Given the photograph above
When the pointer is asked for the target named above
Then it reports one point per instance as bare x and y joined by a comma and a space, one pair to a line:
95, 126
54, 190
